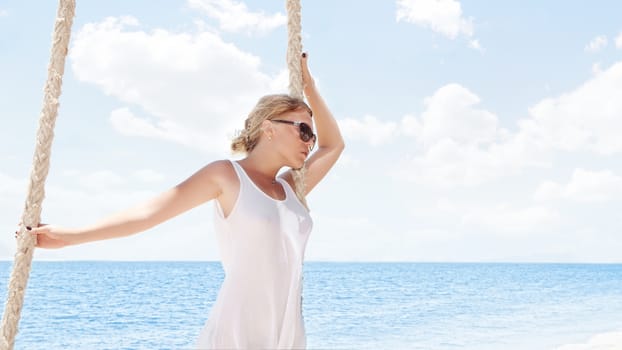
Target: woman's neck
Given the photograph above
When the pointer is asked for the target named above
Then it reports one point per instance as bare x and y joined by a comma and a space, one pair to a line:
261, 165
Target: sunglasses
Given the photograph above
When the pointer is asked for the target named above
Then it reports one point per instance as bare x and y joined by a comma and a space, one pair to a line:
306, 133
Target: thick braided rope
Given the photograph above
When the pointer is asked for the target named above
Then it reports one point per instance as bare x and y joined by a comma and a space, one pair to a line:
40, 167
294, 49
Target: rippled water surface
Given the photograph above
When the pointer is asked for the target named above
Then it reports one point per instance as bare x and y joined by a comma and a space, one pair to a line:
163, 305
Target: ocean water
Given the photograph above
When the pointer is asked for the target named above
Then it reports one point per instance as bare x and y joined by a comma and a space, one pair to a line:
163, 305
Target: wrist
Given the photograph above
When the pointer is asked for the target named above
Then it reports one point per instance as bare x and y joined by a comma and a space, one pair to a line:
75, 237
309, 88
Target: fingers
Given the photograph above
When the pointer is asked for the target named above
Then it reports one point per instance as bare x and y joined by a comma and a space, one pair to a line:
34, 231
307, 79
30, 231
303, 61
17, 232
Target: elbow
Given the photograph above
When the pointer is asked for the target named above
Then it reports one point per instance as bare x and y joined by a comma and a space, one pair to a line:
341, 146
337, 149
336, 146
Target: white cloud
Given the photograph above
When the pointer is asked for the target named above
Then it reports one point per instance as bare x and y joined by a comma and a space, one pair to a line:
596, 44
587, 118
10, 185
198, 88
474, 44
470, 216
347, 161
280, 81
451, 112
410, 126
506, 219
102, 180
334, 236
12, 196
235, 17
126, 123
584, 186
619, 41
548, 190
442, 16
148, 176
375, 132
369, 129
463, 144
446, 164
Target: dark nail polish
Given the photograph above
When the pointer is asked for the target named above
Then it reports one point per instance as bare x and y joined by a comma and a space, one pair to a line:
28, 228
304, 54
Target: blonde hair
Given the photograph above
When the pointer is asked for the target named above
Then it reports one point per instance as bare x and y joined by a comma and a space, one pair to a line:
269, 107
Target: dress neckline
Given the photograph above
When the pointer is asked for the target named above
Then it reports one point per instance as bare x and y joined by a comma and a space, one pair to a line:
278, 180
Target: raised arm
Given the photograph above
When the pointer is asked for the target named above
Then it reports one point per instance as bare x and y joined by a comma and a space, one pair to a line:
204, 185
330, 142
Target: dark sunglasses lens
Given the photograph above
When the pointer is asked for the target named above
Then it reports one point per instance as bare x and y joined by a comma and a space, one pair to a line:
305, 132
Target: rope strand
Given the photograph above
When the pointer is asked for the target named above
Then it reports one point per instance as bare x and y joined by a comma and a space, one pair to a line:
294, 47
294, 50
40, 166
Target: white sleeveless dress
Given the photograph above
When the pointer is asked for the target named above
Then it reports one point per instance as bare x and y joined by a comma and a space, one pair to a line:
262, 244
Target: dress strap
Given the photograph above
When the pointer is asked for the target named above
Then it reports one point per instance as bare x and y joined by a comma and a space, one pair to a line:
239, 171
286, 187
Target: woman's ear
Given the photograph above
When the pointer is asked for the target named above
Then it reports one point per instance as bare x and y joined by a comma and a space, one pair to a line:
267, 129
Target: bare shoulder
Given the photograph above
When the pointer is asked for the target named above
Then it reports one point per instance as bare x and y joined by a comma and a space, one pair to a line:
222, 176
215, 174
220, 172
210, 182
220, 168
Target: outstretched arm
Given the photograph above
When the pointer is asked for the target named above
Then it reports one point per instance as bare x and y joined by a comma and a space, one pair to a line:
330, 142
199, 188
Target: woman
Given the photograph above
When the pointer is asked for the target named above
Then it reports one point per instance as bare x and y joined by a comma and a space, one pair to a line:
261, 224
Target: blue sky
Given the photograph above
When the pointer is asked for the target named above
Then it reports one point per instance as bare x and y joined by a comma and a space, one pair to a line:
475, 131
